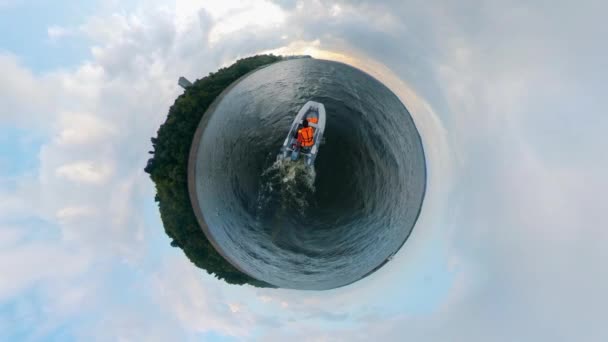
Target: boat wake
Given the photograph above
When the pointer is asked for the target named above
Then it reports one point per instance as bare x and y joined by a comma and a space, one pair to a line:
285, 186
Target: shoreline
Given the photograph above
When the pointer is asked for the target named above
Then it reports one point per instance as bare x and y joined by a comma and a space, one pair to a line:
192, 157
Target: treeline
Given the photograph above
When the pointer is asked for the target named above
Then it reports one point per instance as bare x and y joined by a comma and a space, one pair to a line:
168, 168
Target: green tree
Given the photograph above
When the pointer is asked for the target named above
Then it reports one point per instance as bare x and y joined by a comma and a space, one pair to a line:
168, 169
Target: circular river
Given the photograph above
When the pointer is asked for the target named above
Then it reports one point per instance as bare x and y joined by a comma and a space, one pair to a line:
308, 228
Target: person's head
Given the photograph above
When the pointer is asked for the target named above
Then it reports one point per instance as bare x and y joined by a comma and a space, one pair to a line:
305, 123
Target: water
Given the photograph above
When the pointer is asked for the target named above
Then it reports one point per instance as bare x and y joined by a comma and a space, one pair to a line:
303, 228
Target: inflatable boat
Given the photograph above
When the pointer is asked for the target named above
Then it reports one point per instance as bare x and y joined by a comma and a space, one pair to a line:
314, 113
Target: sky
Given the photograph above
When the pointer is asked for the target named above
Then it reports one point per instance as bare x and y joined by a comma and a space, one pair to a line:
509, 98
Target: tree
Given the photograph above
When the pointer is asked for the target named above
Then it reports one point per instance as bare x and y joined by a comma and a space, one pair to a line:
168, 169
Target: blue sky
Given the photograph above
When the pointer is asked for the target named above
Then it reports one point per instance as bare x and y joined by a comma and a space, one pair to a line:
28, 23
508, 97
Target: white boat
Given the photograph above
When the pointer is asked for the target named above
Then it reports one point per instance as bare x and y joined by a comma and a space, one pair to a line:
291, 149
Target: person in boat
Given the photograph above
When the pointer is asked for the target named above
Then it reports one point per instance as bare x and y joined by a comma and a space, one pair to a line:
313, 120
306, 135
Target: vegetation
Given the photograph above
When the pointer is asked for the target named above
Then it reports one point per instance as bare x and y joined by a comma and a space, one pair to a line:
168, 168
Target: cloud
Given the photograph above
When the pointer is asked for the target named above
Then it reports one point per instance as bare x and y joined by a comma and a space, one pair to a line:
48, 263
200, 305
84, 172
508, 99
58, 32
70, 213
255, 16
519, 216
287, 4
96, 119
83, 129
24, 96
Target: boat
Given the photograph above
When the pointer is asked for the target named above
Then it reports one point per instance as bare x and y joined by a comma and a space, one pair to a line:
291, 149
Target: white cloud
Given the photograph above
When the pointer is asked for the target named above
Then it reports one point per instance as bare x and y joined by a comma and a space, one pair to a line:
90, 185
29, 264
10, 235
71, 213
58, 32
254, 16
84, 172
24, 96
520, 225
519, 215
199, 305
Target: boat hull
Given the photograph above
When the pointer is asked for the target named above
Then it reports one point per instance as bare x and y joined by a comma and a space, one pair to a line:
290, 148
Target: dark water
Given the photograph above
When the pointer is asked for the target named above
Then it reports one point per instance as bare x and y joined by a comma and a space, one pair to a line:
295, 227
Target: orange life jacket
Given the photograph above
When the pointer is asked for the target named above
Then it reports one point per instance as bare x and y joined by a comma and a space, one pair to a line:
305, 136
313, 120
